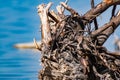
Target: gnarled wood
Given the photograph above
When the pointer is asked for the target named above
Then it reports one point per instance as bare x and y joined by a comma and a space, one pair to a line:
70, 51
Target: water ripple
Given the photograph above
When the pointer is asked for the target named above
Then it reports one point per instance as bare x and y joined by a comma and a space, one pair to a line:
17, 24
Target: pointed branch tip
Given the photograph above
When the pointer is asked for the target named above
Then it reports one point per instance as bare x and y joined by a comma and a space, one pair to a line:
36, 45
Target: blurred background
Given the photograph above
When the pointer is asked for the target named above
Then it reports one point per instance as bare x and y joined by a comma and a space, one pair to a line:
20, 23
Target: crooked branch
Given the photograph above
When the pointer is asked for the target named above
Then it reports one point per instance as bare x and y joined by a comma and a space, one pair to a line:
107, 29
73, 12
97, 10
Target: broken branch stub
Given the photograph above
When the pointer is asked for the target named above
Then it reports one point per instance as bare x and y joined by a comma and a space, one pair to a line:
61, 9
45, 26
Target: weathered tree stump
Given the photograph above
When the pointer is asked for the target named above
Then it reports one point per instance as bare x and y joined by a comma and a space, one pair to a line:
70, 50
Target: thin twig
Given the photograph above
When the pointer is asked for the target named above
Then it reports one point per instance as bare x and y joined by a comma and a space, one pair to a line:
95, 20
113, 11
61, 9
72, 11
36, 45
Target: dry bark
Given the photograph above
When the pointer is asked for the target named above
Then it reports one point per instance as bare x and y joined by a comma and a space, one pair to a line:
71, 51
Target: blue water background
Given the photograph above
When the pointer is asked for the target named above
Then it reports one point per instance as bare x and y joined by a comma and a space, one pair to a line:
19, 22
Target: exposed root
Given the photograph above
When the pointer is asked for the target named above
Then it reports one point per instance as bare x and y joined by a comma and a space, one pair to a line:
72, 52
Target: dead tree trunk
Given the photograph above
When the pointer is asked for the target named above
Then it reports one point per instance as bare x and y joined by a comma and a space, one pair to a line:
70, 50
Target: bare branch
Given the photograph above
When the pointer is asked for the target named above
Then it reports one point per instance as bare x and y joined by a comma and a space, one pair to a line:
95, 20
36, 45
100, 8
61, 9
28, 45
48, 6
114, 53
110, 1
73, 12
92, 4
113, 11
45, 27
54, 16
106, 30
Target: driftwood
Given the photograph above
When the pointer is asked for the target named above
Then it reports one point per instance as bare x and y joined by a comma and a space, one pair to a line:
70, 50
28, 45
